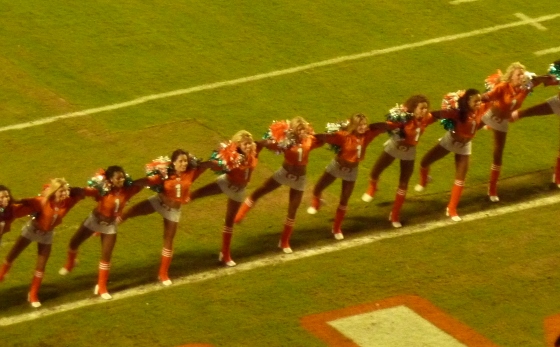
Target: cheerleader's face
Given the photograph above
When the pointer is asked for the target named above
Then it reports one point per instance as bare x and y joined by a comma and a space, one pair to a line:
117, 180
475, 101
517, 77
181, 163
301, 132
62, 193
421, 110
246, 146
362, 127
4, 198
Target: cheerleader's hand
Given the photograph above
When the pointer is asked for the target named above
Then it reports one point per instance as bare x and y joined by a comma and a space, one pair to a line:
514, 117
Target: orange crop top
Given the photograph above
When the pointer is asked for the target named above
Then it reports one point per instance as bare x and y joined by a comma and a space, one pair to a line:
411, 130
11, 213
506, 98
49, 213
352, 146
175, 187
111, 204
298, 154
241, 175
468, 128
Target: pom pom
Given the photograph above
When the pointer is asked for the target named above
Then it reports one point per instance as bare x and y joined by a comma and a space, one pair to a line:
99, 182
528, 80
280, 133
399, 113
333, 128
448, 124
159, 166
492, 80
451, 100
554, 70
227, 156
336, 126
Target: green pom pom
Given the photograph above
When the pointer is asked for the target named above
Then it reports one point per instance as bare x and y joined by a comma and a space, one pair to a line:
555, 70
448, 124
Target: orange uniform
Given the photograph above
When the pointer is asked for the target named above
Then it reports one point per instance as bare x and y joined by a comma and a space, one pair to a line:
411, 130
505, 98
466, 129
298, 154
49, 213
11, 213
352, 146
111, 204
241, 175
177, 187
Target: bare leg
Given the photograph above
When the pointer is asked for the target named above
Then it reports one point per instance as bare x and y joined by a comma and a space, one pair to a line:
295, 200
268, 186
326, 180
407, 167
43, 253
227, 233
143, 208
380, 165
169, 231
434, 154
499, 145
208, 190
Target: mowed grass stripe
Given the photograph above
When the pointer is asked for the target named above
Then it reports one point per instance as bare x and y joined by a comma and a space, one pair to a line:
334, 61
281, 258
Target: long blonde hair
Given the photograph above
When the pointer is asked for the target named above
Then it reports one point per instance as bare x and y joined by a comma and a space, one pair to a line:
506, 77
54, 185
297, 122
355, 121
244, 136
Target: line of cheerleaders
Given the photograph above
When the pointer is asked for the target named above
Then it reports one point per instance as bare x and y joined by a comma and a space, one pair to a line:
462, 114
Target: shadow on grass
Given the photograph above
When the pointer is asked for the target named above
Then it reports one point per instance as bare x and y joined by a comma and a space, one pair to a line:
362, 219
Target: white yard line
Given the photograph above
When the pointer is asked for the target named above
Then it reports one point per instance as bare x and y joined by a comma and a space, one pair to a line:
527, 18
279, 259
548, 51
334, 61
457, 2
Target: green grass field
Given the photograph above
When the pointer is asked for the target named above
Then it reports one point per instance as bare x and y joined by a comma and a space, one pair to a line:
497, 275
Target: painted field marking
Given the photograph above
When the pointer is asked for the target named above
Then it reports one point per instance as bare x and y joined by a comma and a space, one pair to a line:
548, 51
404, 320
529, 19
280, 259
334, 61
457, 2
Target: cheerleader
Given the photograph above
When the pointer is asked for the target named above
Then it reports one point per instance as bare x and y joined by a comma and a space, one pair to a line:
295, 140
550, 106
461, 116
9, 211
111, 189
406, 123
48, 210
506, 94
236, 159
350, 142
171, 179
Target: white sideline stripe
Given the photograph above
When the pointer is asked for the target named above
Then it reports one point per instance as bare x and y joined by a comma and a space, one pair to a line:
457, 2
536, 25
548, 51
276, 73
279, 259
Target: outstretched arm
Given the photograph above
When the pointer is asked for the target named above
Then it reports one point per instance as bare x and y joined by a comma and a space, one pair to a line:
379, 126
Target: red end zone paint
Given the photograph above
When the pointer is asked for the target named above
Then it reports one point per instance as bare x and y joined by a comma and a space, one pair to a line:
318, 325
